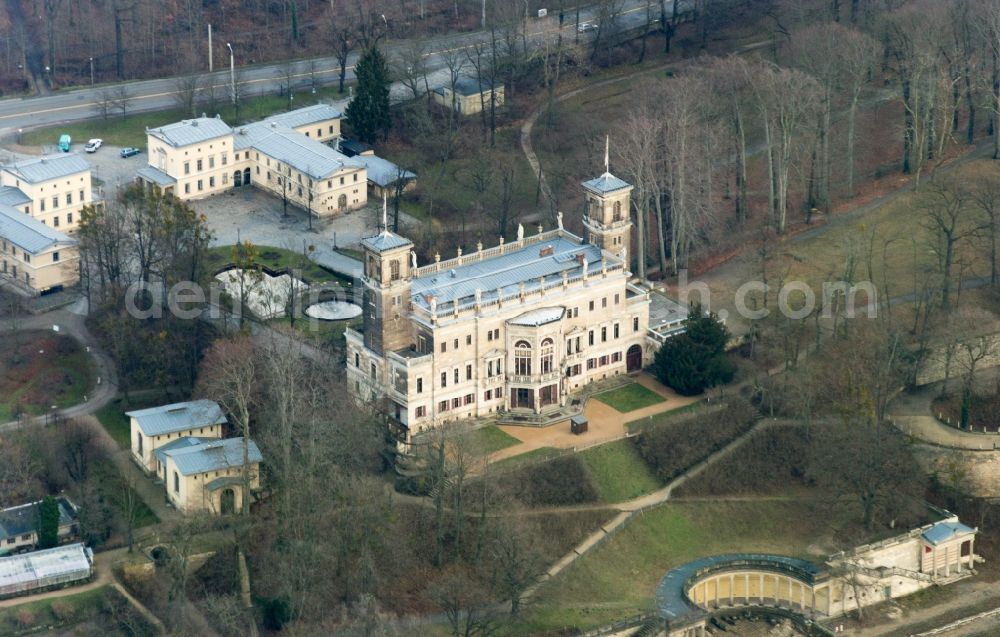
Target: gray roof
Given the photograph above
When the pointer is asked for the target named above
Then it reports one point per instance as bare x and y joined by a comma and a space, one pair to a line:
944, 531
469, 86
179, 443
294, 149
541, 316
191, 131
306, 115
13, 196
383, 172
60, 564
175, 417
671, 598
35, 171
29, 233
23, 519
385, 240
606, 183
507, 272
213, 455
156, 176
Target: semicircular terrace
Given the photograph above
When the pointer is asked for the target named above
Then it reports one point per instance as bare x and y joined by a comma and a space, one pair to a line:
688, 594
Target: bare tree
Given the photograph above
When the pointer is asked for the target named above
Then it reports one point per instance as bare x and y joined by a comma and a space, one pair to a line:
187, 92
986, 198
104, 104
947, 218
121, 98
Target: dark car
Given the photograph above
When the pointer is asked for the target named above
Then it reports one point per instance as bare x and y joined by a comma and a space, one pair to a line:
129, 152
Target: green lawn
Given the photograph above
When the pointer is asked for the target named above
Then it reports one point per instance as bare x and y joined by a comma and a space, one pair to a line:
664, 418
535, 455
618, 472
131, 130
41, 369
69, 609
489, 440
629, 398
619, 577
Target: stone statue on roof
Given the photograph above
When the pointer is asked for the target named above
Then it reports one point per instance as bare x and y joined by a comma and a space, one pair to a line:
520, 232
559, 219
413, 259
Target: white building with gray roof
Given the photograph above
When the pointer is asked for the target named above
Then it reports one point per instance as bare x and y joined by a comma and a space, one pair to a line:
207, 476
155, 427
512, 330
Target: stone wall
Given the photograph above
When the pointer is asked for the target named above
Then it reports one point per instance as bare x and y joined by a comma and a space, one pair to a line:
935, 365
977, 472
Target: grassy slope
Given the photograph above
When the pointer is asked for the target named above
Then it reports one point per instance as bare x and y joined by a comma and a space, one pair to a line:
629, 398
618, 472
619, 577
491, 439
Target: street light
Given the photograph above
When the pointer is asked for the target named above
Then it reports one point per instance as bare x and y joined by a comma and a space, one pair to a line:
232, 72
91, 71
19, 131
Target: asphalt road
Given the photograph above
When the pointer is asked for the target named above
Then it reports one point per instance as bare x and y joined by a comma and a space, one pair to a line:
150, 95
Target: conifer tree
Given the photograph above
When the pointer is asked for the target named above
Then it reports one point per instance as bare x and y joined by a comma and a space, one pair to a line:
368, 112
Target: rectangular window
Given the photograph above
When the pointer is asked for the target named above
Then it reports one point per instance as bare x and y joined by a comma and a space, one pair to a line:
444, 379
198, 165
444, 347
421, 411
187, 168
55, 256
604, 361
355, 176
616, 357
590, 337
319, 132
591, 363
225, 178
420, 385
456, 343
82, 198
604, 335
498, 393
488, 396
616, 330
468, 372
341, 181
604, 302
201, 185
41, 203
591, 306
55, 202
211, 162
69, 198
443, 405
331, 129
456, 403
616, 299
489, 335
187, 189
225, 159
456, 375
496, 334
177, 483
470, 398
635, 323
211, 182
468, 339
55, 221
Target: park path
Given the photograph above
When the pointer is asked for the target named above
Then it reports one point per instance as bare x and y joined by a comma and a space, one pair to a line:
912, 413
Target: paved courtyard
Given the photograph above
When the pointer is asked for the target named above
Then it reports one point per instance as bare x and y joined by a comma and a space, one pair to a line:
605, 422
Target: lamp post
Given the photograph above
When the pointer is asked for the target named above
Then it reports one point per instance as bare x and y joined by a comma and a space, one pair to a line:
232, 73
91, 71
19, 131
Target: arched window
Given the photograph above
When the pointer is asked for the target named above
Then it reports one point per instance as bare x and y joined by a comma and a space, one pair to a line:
394, 270
522, 358
618, 211
548, 352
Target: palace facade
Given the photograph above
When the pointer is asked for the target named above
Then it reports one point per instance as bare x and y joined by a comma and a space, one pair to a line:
514, 328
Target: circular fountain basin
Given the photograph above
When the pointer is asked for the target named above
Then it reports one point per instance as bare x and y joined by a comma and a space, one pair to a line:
333, 311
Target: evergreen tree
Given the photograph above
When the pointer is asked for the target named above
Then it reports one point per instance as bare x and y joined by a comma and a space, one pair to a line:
368, 112
48, 523
695, 360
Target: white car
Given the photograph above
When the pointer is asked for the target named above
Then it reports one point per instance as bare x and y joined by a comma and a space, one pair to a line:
93, 145
586, 26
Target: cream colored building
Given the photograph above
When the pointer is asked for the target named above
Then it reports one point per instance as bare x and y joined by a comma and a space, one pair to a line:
155, 427
51, 189
34, 257
285, 154
935, 554
469, 97
205, 475
515, 328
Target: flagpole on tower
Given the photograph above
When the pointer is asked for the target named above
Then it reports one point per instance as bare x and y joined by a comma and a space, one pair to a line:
607, 161
385, 213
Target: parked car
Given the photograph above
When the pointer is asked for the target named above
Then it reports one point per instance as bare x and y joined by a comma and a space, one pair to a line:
129, 151
586, 26
64, 143
93, 145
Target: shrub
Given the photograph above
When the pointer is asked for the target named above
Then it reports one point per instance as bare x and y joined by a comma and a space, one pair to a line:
25, 618
672, 447
275, 612
695, 360
62, 610
554, 483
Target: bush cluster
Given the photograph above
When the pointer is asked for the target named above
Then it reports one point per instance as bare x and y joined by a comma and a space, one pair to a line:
670, 448
558, 482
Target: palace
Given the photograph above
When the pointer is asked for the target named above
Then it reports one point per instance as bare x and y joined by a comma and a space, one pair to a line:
514, 328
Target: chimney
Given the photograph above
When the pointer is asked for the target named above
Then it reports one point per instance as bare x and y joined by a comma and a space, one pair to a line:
547, 251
